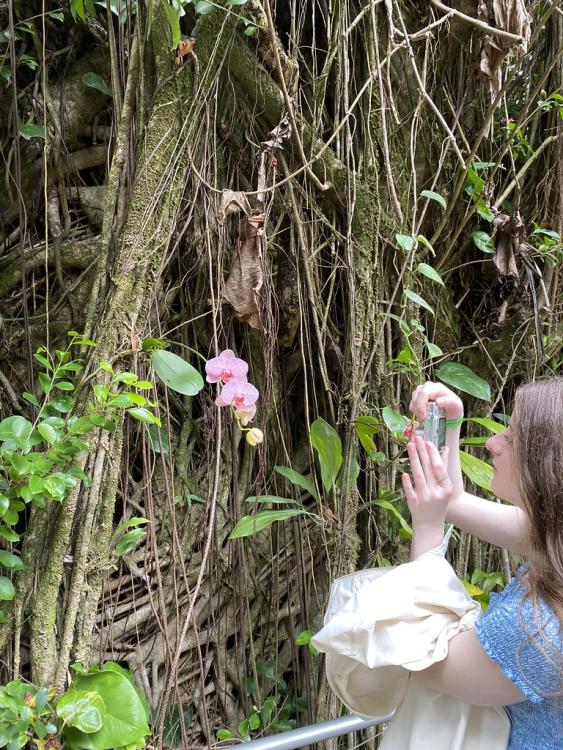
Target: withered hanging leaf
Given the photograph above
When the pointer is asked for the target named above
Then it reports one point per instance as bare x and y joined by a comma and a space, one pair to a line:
245, 277
508, 15
509, 235
277, 136
232, 201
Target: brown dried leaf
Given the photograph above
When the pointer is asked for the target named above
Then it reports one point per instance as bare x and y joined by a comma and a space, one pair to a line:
231, 202
509, 235
277, 136
511, 16
245, 277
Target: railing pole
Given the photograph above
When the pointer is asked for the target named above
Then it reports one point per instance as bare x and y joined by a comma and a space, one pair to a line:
303, 736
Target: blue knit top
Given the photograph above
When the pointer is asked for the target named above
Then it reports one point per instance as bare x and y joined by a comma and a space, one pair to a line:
508, 632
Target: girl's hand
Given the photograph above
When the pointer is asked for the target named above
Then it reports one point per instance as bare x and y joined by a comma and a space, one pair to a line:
444, 398
433, 489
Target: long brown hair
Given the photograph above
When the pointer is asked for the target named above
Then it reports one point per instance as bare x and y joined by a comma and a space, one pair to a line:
537, 433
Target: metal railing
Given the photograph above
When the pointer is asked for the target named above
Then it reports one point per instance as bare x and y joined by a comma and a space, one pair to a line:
315, 733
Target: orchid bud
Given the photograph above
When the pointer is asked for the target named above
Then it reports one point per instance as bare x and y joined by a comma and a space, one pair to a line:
254, 436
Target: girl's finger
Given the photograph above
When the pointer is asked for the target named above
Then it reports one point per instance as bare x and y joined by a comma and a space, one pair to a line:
439, 463
416, 467
424, 457
408, 489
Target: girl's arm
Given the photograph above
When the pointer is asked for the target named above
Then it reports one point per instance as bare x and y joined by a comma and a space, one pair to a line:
503, 525
470, 675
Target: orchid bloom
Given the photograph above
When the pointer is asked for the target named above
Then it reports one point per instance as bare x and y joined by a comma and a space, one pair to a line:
226, 367
246, 415
238, 393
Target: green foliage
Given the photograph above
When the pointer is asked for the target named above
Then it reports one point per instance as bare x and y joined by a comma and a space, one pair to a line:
250, 525
278, 712
95, 81
461, 377
176, 373
481, 584
306, 483
326, 442
435, 197
479, 472
102, 709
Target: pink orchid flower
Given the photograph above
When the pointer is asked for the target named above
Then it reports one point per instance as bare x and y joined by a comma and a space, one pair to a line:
238, 393
225, 367
246, 415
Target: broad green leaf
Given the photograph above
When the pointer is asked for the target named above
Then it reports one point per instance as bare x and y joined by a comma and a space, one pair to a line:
58, 15
81, 425
10, 561
29, 130
224, 734
121, 401
435, 197
304, 638
9, 534
365, 427
151, 343
7, 591
483, 241
432, 349
62, 403
30, 398
81, 709
395, 422
476, 470
294, 477
129, 541
406, 242
47, 432
129, 378
250, 525
271, 499
386, 505
202, 7
174, 23
143, 415
418, 300
94, 81
176, 373
461, 377
489, 424
125, 720
483, 210
7, 427
159, 437
427, 244
430, 272
63, 385
471, 589
326, 442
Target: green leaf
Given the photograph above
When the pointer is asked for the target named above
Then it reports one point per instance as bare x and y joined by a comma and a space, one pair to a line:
407, 243
250, 525
489, 424
304, 638
10, 561
202, 7
9, 534
94, 81
29, 130
143, 415
121, 401
62, 404
176, 373
483, 241
30, 398
479, 472
483, 210
432, 349
395, 422
129, 541
326, 442
48, 433
461, 377
427, 244
435, 197
224, 734
124, 720
430, 272
81, 426
386, 505
418, 300
151, 343
271, 499
64, 385
365, 427
81, 709
306, 483
158, 436
7, 590
174, 23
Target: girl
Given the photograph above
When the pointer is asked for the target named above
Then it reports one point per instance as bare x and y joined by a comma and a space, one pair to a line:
514, 656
